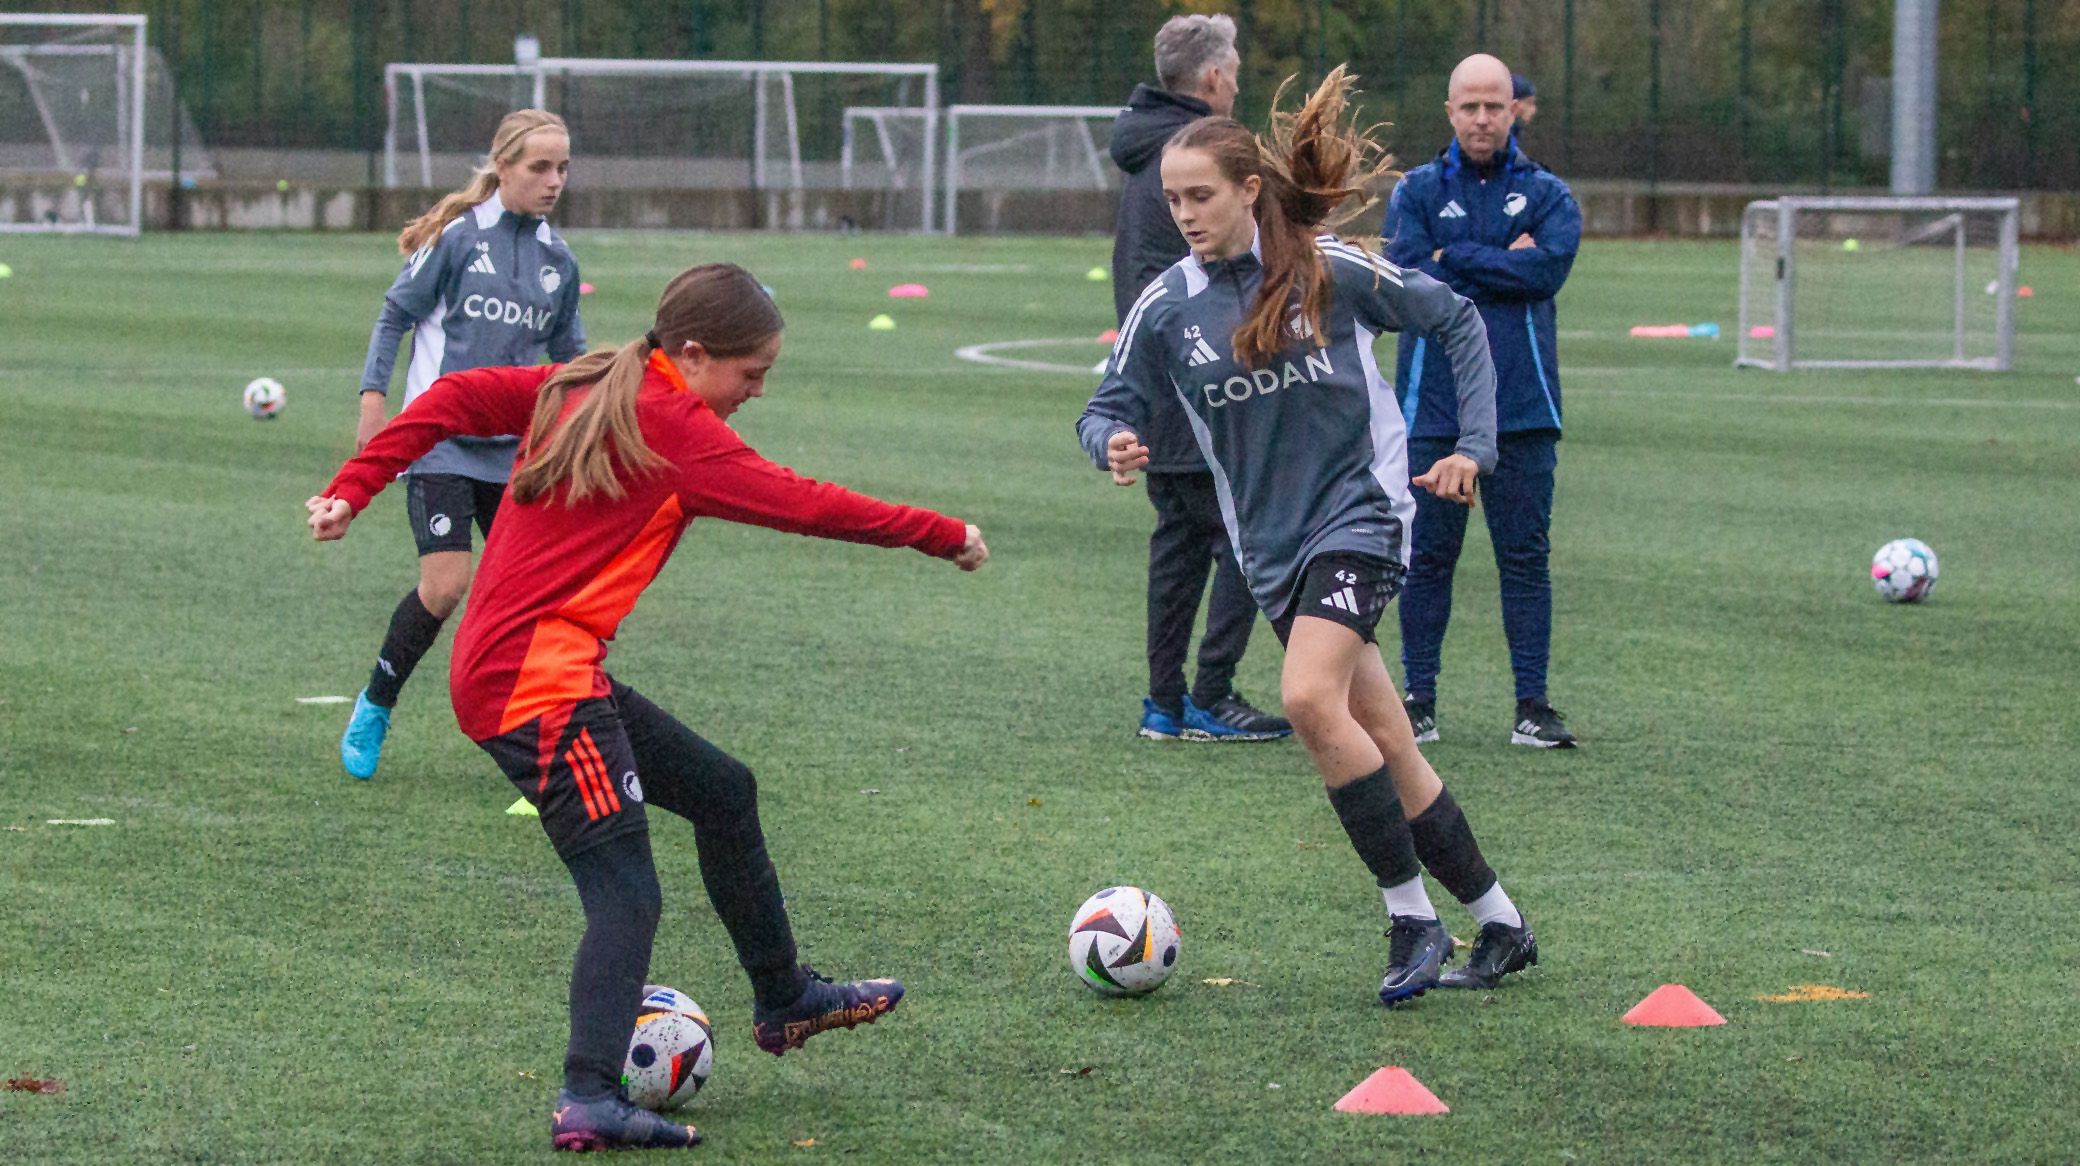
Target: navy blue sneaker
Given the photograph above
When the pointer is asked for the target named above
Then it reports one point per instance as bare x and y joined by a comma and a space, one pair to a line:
1416, 951
823, 1006
609, 1122
1232, 718
1158, 725
361, 747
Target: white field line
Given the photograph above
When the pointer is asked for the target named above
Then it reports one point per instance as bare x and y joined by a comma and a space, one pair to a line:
986, 354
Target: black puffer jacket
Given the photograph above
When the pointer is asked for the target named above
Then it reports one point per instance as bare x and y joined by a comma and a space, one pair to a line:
1146, 242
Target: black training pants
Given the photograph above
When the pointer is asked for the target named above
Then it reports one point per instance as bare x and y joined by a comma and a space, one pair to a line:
1189, 537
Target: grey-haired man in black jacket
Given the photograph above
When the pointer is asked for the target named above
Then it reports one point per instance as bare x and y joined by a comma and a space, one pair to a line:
1196, 67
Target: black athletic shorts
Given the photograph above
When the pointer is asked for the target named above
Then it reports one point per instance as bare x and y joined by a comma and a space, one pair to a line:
582, 777
1349, 588
441, 507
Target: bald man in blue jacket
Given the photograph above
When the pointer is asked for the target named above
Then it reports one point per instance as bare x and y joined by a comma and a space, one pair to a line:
1502, 231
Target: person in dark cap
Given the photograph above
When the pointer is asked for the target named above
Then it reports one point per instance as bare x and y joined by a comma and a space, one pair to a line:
1525, 94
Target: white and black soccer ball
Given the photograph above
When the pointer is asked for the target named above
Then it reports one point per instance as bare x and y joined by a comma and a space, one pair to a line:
1904, 570
671, 1052
1123, 941
264, 397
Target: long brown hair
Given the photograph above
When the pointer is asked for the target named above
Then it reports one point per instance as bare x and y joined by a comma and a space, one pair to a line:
1310, 165
507, 144
719, 306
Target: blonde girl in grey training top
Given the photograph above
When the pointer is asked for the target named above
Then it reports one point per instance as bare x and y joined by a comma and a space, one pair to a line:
486, 283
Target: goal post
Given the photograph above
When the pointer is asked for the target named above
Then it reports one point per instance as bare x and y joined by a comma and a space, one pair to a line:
72, 122
1026, 147
774, 126
1876, 282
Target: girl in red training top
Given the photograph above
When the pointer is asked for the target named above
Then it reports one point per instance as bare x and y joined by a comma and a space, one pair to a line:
623, 448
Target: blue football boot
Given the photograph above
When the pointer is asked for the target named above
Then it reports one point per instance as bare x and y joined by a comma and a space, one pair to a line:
361, 746
1157, 724
609, 1122
1232, 718
1416, 951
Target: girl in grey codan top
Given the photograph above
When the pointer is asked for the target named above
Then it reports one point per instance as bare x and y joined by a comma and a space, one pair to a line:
486, 283
1264, 334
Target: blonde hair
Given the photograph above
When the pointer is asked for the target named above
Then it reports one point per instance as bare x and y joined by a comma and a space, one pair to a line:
719, 306
1311, 165
507, 144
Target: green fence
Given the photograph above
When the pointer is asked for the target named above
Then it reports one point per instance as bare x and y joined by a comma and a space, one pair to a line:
1782, 92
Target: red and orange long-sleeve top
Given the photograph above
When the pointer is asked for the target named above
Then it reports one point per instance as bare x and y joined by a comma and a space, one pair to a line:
557, 579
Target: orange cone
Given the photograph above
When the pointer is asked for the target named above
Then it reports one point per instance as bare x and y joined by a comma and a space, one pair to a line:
1673, 1006
1109, 336
1391, 1090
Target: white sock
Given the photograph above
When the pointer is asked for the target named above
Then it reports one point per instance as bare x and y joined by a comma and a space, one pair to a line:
1409, 898
1495, 907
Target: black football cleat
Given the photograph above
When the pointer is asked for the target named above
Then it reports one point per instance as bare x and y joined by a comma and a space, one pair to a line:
1422, 718
1497, 951
1540, 726
1232, 718
1416, 951
823, 1006
609, 1122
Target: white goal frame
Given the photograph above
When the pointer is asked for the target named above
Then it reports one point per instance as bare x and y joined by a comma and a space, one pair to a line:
954, 156
764, 169
1782, 354
138, 58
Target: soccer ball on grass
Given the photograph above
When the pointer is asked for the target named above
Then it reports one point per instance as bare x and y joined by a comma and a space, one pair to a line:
264, 397
1123, 941
671, 1052
1904, 570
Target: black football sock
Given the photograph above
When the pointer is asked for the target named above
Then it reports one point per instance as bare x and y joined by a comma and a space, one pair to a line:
413, 629
617, 883
1445, 843
1371, 815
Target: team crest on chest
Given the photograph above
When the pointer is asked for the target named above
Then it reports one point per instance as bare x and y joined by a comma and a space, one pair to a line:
552, 279
1513, 204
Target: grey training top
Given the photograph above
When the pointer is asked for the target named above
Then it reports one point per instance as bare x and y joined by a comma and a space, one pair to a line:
1309, 453
494, 289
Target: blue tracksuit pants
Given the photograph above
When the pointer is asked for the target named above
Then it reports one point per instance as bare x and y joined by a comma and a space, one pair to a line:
1518, 502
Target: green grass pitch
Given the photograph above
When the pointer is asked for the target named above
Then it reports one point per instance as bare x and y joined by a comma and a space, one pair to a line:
1784, 780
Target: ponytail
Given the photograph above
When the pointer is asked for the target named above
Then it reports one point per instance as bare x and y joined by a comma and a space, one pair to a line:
1311, 165
507, 144
587, 451
719, 306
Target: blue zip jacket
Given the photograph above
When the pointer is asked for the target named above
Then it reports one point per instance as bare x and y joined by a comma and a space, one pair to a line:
1472, 214
494, 288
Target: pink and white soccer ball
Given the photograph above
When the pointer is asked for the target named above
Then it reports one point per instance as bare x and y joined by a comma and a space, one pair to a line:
1904, 570
1123, 941
671, 1052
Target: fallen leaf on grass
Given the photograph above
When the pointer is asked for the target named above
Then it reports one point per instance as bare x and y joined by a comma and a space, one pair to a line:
1032, 801
44, 1085
1226, 982
1814, 993
1083, 1072
804, 1143
525, 1074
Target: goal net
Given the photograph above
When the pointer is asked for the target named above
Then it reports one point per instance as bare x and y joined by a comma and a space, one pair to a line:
777, 127
74, 150
1878, 283
887, 148
1007, 148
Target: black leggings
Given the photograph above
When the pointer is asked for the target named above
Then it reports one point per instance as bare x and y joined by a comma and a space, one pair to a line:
607, 759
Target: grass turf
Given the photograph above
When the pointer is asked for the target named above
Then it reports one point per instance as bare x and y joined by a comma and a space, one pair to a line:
1784, 780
